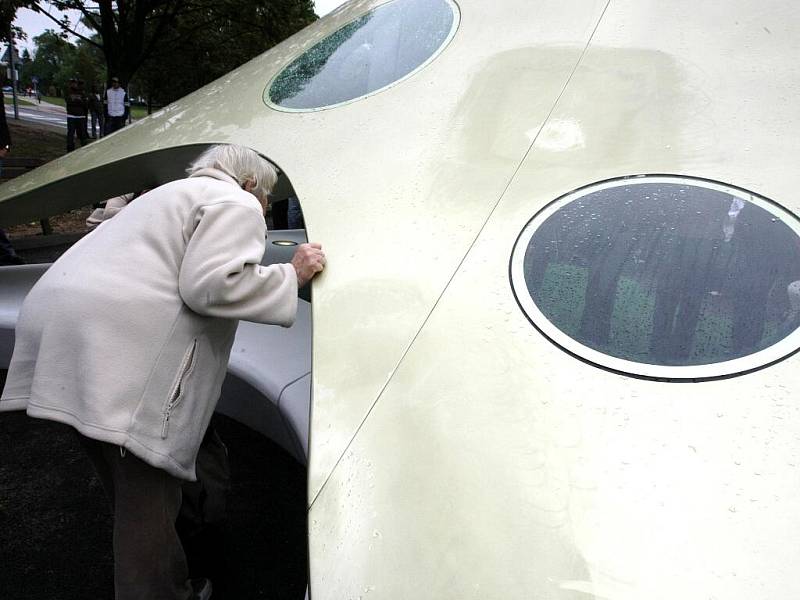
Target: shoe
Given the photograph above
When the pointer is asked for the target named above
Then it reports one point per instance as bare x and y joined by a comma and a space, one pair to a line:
94, 219
201, 589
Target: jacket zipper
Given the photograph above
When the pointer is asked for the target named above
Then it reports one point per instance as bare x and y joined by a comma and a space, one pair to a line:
176, 394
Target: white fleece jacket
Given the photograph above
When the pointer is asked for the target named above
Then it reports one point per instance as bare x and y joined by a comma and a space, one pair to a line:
127, 336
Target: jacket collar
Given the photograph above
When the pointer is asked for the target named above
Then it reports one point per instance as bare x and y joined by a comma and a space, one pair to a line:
216, 174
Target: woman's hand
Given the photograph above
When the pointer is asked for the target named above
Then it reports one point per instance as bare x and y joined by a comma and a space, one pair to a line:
308, 260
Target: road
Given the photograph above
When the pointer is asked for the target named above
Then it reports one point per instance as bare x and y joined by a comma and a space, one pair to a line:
48, 116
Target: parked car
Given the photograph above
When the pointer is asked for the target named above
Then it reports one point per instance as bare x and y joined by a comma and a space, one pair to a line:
554, 352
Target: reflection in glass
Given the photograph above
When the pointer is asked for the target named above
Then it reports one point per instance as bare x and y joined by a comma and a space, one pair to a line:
666, 273
384, 45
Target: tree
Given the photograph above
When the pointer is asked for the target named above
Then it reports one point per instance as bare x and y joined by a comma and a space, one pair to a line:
57, 60
8, 10
85, 62
52, 54
214, 40
129, 32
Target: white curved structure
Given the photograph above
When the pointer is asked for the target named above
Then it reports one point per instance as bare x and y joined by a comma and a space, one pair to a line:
455, 451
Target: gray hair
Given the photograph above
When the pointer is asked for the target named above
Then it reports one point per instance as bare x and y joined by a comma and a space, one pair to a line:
241, 163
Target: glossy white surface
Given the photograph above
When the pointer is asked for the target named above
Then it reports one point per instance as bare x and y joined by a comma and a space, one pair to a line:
455, 452
371, 175
494, 465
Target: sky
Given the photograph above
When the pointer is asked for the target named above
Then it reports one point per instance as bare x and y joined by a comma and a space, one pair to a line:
33, 23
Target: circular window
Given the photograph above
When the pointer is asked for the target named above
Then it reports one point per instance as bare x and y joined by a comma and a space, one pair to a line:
385, 45
663, 277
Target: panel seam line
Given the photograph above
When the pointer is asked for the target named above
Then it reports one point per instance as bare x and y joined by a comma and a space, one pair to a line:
463, 258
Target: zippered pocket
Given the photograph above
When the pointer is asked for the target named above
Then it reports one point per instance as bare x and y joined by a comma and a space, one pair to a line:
177, 391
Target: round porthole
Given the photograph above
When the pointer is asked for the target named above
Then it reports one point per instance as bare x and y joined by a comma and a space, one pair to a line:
663, 277
386, 45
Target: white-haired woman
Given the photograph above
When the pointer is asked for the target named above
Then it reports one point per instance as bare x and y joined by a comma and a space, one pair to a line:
126, 338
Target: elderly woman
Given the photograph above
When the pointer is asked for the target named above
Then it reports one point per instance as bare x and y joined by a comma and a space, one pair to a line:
126, 338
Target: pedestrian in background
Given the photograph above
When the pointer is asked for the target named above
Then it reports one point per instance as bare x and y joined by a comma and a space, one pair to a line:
96, 113
117, 106
77, 111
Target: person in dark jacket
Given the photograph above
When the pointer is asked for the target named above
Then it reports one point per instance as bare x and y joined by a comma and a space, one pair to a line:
96, 112
8, 255
77, 110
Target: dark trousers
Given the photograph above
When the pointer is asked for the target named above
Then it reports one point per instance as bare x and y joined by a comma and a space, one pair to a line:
5, 245
75, 126
97, 124
8, 256
114, 123
149, 558
203, 516
149, 561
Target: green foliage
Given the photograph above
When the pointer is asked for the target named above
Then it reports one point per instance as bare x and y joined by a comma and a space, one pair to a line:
171, 47
52, 54
206, 43
8, 9
57, 60
86, 63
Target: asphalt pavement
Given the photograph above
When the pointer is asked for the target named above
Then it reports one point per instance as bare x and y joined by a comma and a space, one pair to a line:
44, 113
38, 116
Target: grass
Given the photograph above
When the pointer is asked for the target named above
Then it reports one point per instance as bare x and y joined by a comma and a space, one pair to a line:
30, 141
55, 100
22, 100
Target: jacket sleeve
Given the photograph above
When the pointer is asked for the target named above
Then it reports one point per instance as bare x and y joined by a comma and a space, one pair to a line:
221, 274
